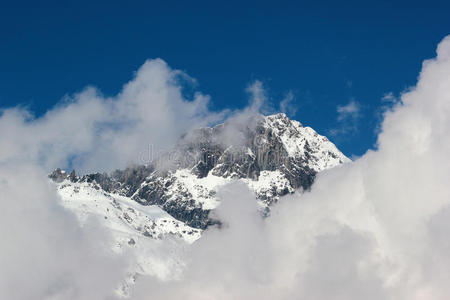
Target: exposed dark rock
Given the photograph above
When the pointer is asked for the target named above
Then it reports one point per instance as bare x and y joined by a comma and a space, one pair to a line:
58, 175
238, 150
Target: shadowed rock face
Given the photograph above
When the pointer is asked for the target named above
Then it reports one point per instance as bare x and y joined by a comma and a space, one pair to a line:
231, 150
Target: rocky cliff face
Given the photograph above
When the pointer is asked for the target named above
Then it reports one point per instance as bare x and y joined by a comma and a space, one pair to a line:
272, 154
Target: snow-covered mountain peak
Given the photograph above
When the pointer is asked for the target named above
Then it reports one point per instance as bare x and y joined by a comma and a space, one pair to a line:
272, 154
304, 143
173, 196
280, 120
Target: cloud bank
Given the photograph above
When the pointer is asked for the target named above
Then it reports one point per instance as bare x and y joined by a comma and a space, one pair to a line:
45, 254
94, 133
376, 228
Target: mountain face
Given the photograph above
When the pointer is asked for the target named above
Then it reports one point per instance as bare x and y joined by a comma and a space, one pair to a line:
174, 194
273, 155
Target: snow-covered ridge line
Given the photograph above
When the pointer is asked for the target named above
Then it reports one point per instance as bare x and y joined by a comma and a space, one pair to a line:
300, 141
272, 154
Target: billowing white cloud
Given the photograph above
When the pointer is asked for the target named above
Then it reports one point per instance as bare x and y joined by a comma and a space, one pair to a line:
99, 134
376, 228
45, 254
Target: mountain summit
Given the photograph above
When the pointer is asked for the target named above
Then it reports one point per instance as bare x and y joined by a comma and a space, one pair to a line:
272, 154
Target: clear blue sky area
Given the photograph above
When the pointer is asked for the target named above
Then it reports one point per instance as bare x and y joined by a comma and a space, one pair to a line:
327, 53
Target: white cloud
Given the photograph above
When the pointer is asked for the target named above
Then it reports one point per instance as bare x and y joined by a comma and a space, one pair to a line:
93, 131
258, 97
287, 106
348, 117
376, 228
45, 254
349, 111
389, 98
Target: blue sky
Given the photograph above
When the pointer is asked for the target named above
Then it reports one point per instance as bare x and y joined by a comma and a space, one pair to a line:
337, 59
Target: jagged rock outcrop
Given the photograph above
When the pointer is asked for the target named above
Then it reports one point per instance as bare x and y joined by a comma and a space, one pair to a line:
273, 155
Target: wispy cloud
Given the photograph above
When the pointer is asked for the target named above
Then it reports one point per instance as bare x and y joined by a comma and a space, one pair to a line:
389, 98
287, 105
349, 111
348, 116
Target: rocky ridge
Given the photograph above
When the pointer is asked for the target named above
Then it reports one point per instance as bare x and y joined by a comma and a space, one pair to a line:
273, 155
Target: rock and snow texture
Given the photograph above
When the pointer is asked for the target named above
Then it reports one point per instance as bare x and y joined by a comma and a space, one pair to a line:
134, 228
273, 155
304, 143
127, 218
171, 198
